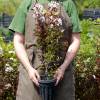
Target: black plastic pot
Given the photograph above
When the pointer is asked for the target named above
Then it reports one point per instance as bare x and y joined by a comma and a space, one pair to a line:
46, 89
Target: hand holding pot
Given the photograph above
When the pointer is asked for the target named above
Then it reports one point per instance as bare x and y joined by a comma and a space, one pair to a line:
59, 75
34, 75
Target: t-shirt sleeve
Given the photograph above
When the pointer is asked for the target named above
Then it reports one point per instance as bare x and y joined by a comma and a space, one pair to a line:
18, 22
72, 11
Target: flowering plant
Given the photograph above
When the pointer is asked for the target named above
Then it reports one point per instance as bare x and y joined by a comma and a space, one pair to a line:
49, 30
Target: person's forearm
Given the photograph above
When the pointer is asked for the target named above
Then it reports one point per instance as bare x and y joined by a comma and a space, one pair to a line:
72, 51
21, 54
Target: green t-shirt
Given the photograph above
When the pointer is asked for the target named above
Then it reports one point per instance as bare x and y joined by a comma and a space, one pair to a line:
18, 22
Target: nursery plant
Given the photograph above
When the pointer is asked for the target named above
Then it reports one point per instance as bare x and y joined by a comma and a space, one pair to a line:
8, 70
51, 31
50, 34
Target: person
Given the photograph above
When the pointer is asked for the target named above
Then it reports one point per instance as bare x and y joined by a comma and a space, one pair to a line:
28, 75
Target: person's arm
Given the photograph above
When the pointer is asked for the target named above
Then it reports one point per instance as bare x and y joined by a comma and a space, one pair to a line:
22, 56
18, 26
74, 46
72, 51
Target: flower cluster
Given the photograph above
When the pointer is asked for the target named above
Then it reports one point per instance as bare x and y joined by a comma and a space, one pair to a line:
48, 15
53, 5
38, 9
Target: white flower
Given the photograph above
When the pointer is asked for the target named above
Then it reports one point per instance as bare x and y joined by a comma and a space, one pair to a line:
38, 9
7, 86
7, 65
51, 17
62, 30
12, 51
51, 25
55, 20
94, 76
8, 69
1, 50
53, 4
39, 6
11, 58
59, 21
42, 18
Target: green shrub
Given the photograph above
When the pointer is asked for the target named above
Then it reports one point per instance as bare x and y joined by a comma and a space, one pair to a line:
8, 70
87, 71
86, 74
9, 6
86, 4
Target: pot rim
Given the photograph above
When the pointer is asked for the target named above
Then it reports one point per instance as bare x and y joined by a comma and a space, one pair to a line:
47, 81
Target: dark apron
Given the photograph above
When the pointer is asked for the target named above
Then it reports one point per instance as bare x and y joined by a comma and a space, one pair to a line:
26, 88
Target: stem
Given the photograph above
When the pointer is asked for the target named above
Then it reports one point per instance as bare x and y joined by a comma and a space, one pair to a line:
46, 72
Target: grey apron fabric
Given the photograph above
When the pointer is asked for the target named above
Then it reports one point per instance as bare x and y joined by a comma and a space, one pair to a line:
28, 91
26, 88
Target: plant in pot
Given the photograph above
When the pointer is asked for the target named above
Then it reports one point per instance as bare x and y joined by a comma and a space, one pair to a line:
49, 31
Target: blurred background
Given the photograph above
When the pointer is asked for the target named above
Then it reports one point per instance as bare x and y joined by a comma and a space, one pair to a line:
87, 61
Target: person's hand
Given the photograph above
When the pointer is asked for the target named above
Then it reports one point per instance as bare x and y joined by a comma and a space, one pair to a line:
59, 75
34, 76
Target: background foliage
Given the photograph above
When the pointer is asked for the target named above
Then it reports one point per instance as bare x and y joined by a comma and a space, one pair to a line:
8, 70
86, 4
87, 62
9, 6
